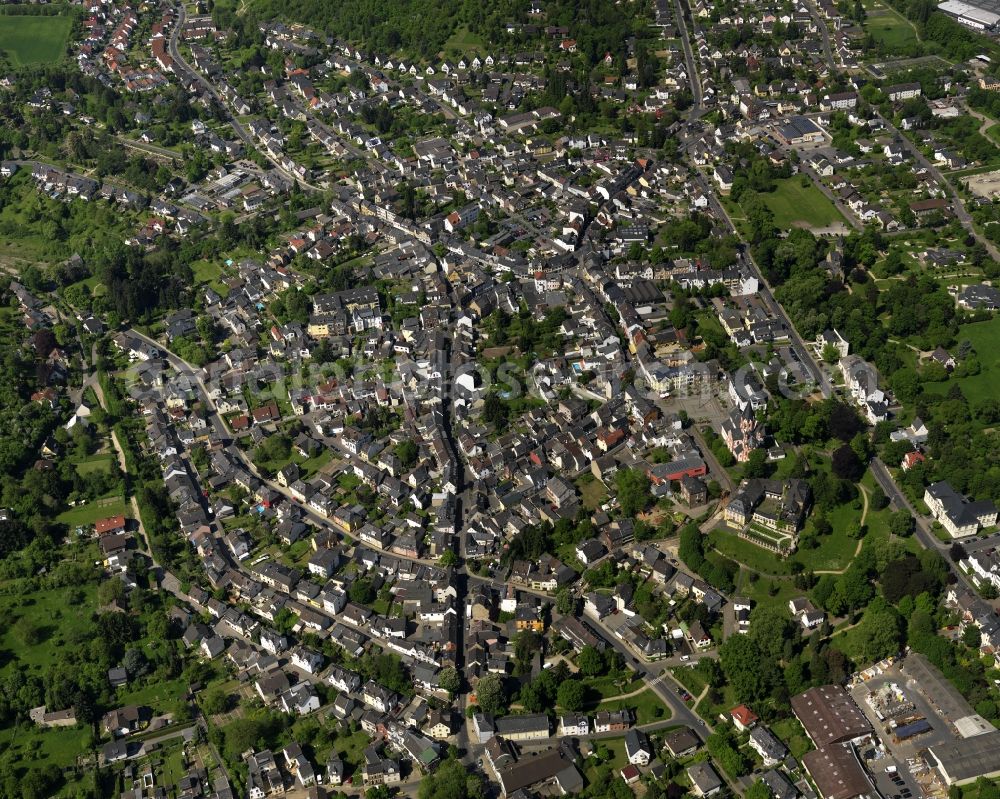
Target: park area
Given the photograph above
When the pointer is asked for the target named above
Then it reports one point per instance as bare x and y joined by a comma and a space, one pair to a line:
795, 205
26, 40
985, 339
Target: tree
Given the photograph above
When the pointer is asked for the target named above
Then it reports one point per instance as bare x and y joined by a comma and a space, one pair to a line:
407, 453
972, 637
451, 780
571, 695
770, 627
846, 464
490, 694
362, 591
110, 591
565, 601
449, 680
590, 661
757, 465
901, 523
134, 662
448, 558
495, 411
830, 354
879, 631
758, 790
853, 588
749, 673
633, 491
215, 701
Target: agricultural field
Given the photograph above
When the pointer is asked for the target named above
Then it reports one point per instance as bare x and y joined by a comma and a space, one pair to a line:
795, 205
26, 40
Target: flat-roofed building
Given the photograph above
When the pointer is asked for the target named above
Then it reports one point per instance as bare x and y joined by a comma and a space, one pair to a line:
799, 130
971, 16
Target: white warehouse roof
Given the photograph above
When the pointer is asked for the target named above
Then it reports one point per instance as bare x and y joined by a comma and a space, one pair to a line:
970, 12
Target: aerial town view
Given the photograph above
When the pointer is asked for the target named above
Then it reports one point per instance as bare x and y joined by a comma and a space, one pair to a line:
444, 399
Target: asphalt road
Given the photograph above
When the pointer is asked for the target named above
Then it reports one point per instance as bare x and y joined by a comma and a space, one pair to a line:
183, 67
689, 60
958, 207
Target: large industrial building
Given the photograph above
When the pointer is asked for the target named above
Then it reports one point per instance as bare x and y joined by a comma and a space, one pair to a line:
838, 774
981, 17
965, 761
829, 715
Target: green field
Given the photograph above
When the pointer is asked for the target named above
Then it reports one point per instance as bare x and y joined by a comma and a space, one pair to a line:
985, 338
795, 205
59, 613
888, 27
593, 492
725, 541
206, 271
83, 515
616, 760
790, 731
464, 41
648, 707
100, 462
34, 40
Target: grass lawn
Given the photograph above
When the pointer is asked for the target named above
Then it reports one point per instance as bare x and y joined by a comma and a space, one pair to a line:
83, 515
172, 769
464, 41
848, 643
836, 550
160, 695
312, 465
350, 748
773, 591
790, 731
750, 555
30, 747
708, 321
795, 205
985, 338
616, 761
886, 26
95, 463
59, 613
648, 707
611, 686
34, 40
690, 679
707, 710
593, 492
206, 271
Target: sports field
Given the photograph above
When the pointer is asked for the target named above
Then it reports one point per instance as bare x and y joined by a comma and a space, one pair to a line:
28, 40
795, 205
